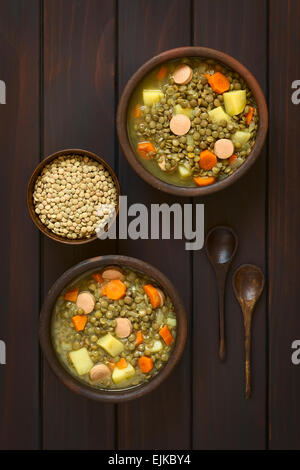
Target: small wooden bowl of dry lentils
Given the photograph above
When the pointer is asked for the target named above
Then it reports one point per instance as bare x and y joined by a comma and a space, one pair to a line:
73, 196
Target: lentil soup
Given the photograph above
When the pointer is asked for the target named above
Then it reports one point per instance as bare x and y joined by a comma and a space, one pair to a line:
113, 329
192, 122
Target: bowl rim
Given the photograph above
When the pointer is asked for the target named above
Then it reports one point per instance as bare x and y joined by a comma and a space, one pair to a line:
30, 187
171, 54
115, 396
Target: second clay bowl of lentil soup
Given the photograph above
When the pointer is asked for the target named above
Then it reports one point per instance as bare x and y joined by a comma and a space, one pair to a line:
192, 120
113, 328
73, 196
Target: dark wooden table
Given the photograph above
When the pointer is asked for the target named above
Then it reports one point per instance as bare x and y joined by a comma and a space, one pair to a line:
65, 63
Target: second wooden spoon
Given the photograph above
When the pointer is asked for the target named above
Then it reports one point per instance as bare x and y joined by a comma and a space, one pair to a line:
221, 245
248, 283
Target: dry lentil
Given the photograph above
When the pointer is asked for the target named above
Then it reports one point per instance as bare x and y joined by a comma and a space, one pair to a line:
75, 196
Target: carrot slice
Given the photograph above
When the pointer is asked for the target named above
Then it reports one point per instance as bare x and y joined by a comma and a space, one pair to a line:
232, 158
146, 364
98, 278
207, 160
72, 295
79, 322
146, 150
166, 335
111, 365
114, 289
122, 364
139, 338
249, 115
162, 72
204, 180
137, 112
153, 295
219, 82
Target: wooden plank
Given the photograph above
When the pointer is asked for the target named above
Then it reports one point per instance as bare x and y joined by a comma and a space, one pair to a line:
161, 420
223, 419
19, 144
79, 57
284, 224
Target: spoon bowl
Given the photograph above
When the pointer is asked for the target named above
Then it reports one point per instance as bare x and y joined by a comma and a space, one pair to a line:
221, 245
248, 283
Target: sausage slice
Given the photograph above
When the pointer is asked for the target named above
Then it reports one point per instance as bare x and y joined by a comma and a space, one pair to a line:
86, 301
223, 148
99, 372
112, 272
162, 296
182, 74
180, 124
123, 328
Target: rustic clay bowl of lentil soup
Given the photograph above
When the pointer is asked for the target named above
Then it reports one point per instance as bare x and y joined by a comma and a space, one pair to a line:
73, 196
113, 328
192, 120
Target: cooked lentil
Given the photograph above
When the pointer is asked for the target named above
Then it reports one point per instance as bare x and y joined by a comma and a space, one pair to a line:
98, 342
176, 158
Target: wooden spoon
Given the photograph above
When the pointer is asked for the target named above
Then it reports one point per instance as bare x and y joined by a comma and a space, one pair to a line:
248, 283
221, 245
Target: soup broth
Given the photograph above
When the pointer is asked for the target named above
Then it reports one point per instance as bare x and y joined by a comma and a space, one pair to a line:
114, 329
192, 122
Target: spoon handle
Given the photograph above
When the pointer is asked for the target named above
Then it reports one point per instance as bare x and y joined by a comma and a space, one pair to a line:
222, 344
247, 324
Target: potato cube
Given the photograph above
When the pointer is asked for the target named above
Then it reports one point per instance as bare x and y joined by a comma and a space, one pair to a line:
241, 137
119, 375
218, 114
111, 345
171, 321
186, 111
235, 102
81, 361
157, 346
184, 171
152, 96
